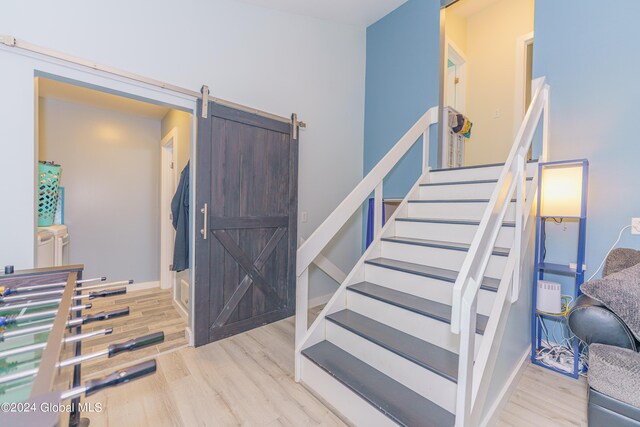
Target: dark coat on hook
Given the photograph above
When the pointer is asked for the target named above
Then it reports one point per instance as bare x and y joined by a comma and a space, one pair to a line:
180, 212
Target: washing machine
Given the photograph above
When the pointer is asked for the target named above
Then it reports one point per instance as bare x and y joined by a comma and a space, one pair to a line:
45, 249
60, 243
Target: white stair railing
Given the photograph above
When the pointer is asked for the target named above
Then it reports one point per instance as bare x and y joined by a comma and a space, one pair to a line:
372, 183
473, 382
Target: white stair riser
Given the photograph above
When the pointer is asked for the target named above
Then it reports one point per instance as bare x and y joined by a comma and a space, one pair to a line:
341, 398
423, 287
457, 233
423, 327
482, 190
472, 174
456, 210
432, 386
438, 257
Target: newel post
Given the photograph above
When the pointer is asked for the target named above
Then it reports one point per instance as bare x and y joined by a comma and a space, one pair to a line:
425, 150
521, 177
464, 398
302, 309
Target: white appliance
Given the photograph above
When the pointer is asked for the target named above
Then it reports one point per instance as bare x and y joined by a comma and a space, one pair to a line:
549, 297
45, 250
61, 243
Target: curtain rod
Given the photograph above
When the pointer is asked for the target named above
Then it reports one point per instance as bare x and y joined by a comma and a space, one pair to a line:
21, 44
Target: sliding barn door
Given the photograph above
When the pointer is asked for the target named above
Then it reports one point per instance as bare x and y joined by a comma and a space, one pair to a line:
246, 217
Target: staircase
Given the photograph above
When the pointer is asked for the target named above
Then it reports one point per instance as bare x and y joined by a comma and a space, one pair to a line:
411, 331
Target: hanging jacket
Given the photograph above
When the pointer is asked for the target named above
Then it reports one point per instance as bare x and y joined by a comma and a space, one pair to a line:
180, 212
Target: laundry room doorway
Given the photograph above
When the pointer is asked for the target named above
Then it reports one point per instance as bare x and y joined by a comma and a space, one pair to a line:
118, 162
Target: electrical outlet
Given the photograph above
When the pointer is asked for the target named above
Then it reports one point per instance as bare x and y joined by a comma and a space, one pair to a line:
497, 113
304, 216
635, 225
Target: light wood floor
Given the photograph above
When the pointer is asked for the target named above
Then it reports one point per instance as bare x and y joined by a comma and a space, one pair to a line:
248, 380
150, 311
544, 398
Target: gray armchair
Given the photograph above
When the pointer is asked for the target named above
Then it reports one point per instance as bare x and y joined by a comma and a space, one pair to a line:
594, 323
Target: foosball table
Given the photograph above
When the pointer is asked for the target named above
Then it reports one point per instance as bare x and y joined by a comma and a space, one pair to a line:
42, 312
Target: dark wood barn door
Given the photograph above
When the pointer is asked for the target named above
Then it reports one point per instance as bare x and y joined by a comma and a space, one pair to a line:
246, 219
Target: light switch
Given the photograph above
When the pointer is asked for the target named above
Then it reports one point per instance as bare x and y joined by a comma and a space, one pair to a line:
304, 216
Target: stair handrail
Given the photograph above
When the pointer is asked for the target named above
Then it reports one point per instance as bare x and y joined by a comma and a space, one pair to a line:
371, 183
472, 381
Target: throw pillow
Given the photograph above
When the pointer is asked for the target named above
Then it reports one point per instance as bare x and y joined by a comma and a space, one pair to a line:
620, 293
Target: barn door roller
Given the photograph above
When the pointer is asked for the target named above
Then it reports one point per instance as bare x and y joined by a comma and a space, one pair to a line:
205, 101
296, 125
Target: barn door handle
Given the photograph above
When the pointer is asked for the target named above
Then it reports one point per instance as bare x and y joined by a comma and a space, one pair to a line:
205, 212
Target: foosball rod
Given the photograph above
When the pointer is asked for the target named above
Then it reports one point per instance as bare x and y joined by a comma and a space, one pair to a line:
29, 295
70, 323
67, 340
20, 289
111, 351
93, 295
122, 376
11, 320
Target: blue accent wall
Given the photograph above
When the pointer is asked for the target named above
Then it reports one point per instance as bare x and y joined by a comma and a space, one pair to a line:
401, 84
587, 49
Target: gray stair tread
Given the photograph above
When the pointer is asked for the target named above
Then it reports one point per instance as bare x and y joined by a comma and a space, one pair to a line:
436, 359
477, 181
489, 283
442, 245
399, 403
425, 307
451, 221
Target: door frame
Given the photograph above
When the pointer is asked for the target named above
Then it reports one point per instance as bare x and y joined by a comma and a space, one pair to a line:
458, 57
519, 109
168, 185
36, 66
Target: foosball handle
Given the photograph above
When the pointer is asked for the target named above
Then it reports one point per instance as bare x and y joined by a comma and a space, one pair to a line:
105, 315
136, 343
107, 293
122, 376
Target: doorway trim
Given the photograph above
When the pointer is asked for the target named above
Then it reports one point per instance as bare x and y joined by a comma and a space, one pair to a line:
35, 65
168, 184
458, 57
519, 109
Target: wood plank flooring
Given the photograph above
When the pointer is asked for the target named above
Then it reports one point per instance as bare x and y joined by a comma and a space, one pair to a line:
150, 310
545, 398
248, 380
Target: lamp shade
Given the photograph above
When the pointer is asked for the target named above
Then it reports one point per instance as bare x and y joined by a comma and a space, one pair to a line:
561, 194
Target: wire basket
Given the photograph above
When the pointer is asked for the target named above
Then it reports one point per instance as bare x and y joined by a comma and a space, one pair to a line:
48, 182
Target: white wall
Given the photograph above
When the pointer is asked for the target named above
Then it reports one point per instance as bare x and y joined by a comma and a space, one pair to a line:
183, 122
111, 175
269, 60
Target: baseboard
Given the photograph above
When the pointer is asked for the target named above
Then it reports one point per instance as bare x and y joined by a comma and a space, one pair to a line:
493, 415
140, 286
181, 310
189, 335
319, 300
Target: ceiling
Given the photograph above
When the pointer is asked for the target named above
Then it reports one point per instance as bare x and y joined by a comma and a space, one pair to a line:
466, 8
82, 95
355, 12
